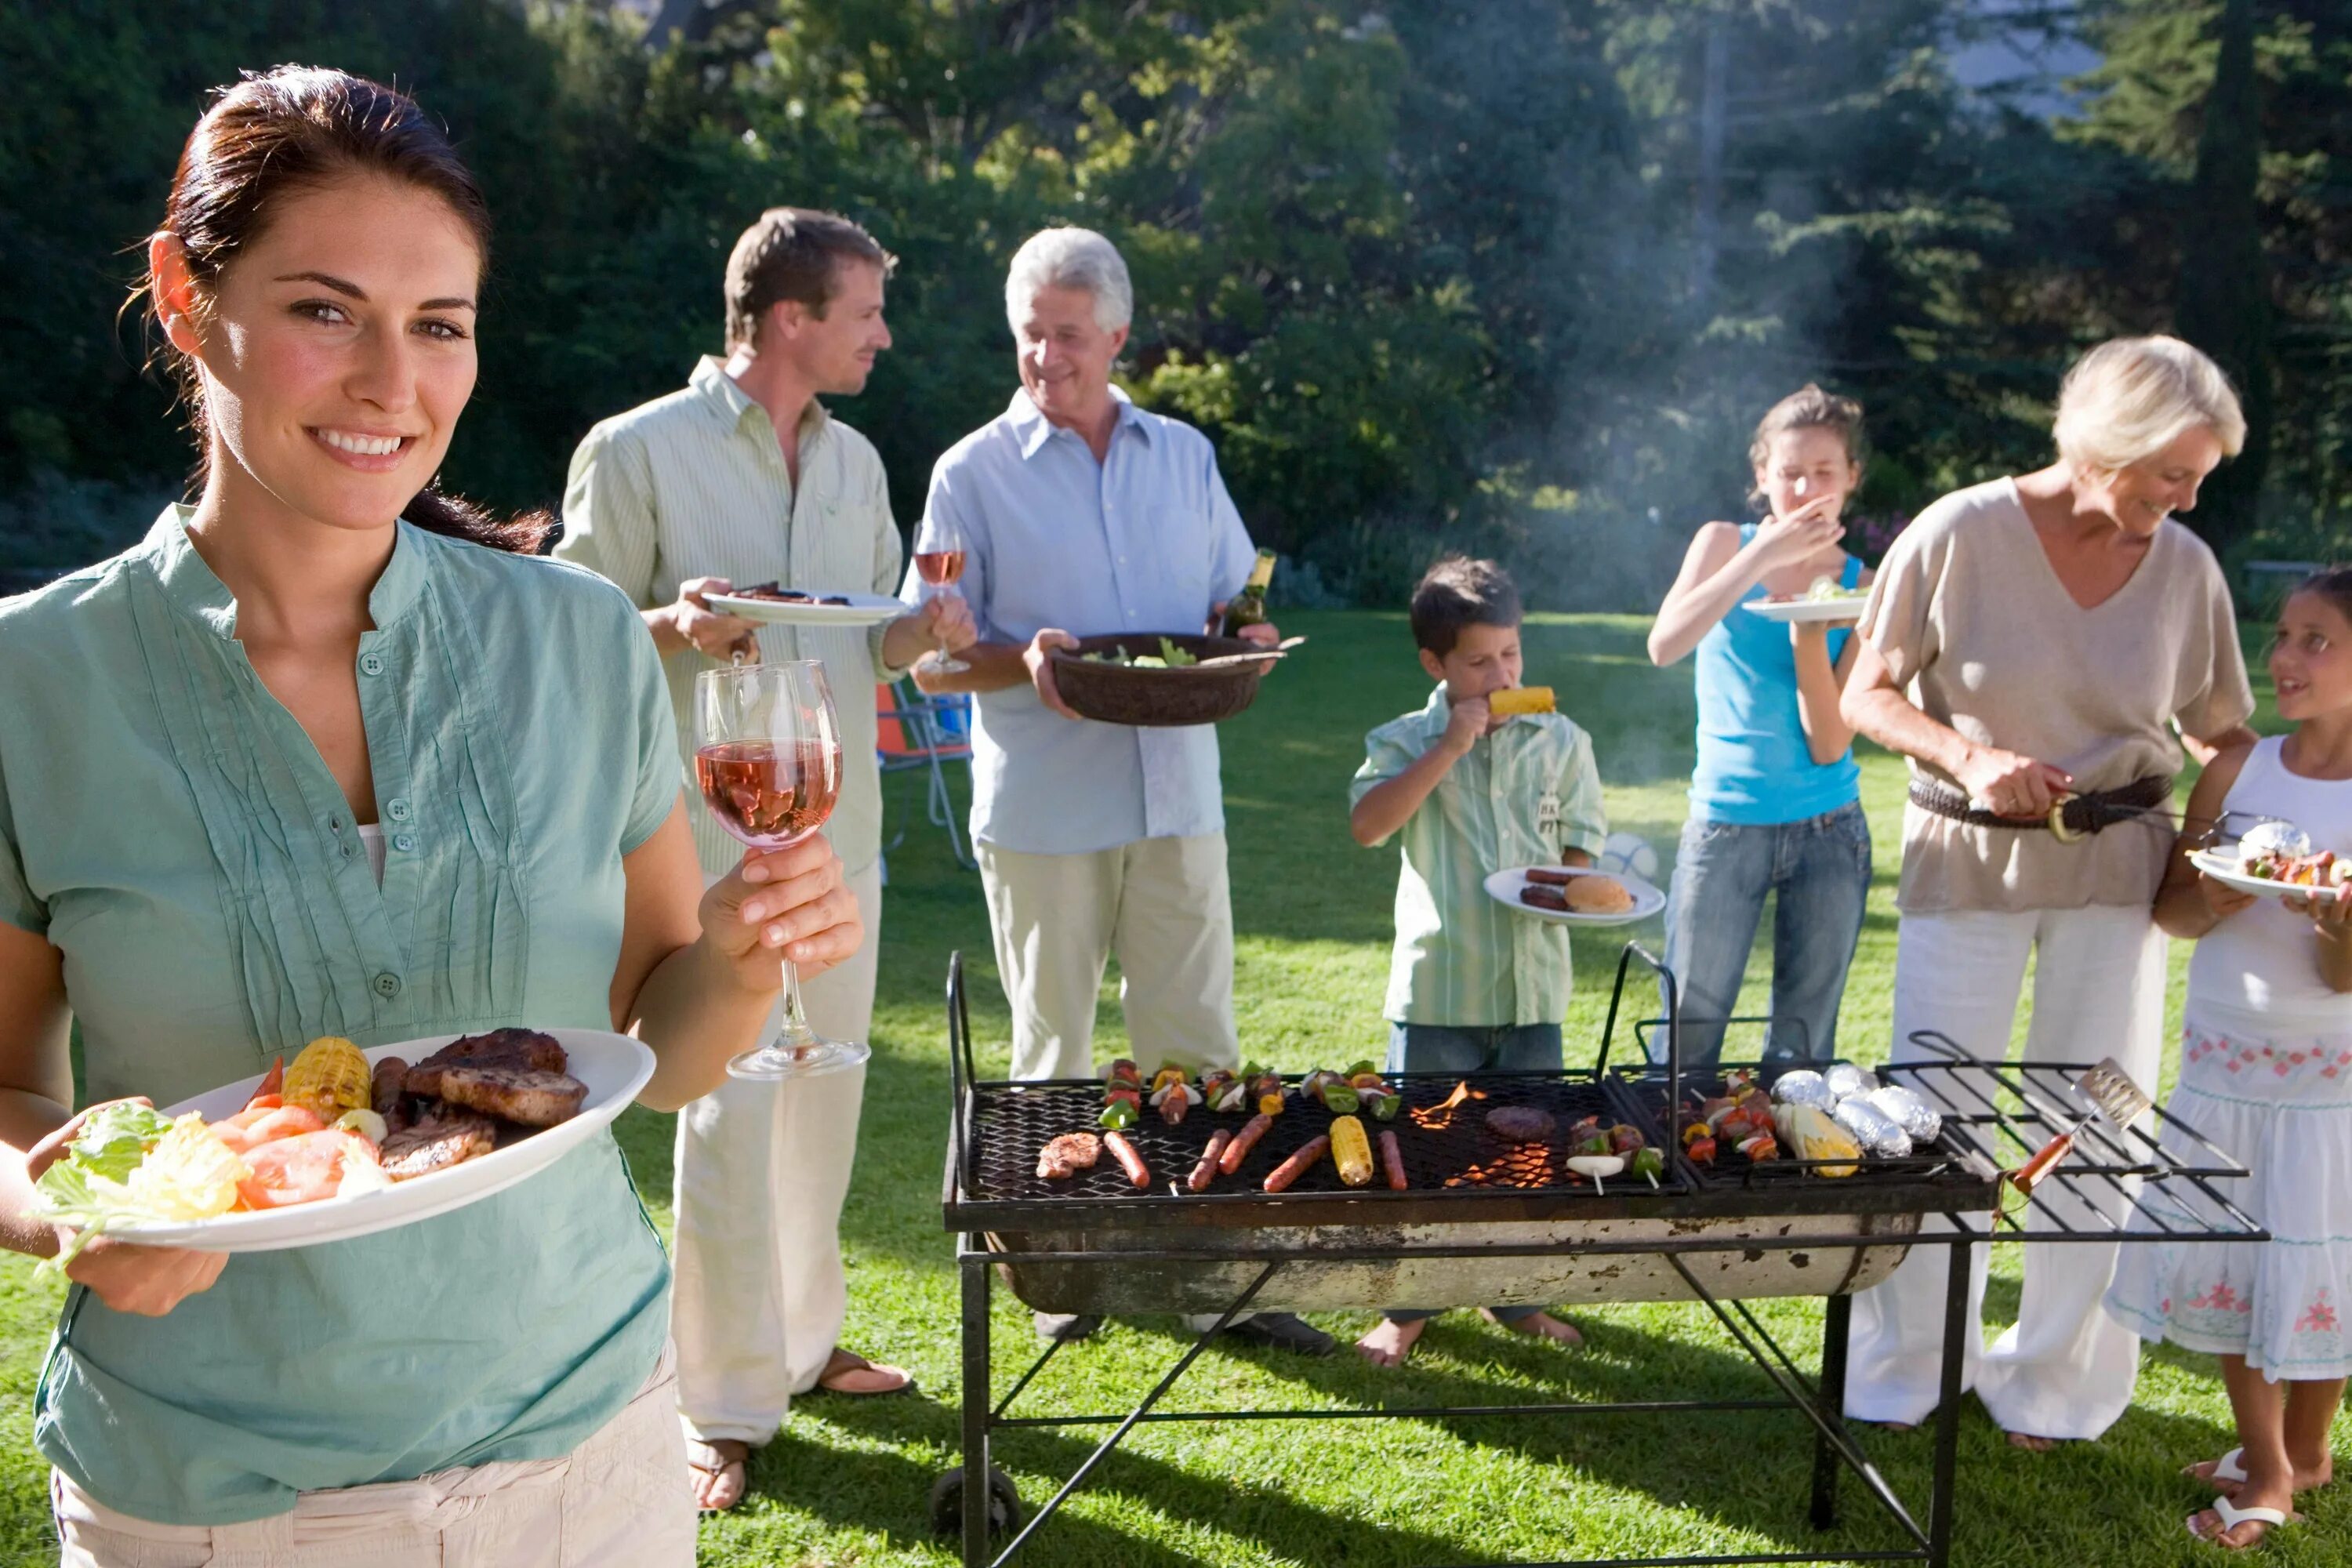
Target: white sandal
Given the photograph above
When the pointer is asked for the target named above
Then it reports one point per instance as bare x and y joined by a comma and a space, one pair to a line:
2230, 1468
2231, 1516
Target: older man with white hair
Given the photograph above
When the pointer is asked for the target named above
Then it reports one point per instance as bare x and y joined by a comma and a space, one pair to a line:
1080, 512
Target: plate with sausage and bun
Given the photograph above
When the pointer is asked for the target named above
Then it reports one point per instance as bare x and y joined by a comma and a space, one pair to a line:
1576, 895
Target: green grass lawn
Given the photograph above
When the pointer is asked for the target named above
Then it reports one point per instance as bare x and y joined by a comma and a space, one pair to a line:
846, 1482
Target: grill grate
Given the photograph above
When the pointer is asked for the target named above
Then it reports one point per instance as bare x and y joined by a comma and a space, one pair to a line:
1443, 1150
1945, 1171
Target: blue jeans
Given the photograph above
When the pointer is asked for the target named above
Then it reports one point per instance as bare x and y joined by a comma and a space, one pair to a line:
1820, 868
1448, 1048
1497, 1047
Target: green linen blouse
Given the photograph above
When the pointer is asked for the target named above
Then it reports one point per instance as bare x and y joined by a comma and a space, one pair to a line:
167, 825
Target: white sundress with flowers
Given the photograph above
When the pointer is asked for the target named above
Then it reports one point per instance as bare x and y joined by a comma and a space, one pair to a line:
2266, 1074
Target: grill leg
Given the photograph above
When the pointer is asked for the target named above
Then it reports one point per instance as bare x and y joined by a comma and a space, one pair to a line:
1947, 1408
1835, 1321
975, 1409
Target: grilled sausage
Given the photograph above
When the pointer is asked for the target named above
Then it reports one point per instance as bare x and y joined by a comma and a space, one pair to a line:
1243, 1141
1129, 1159
1206, 1171
1297, 1165
1392, 1161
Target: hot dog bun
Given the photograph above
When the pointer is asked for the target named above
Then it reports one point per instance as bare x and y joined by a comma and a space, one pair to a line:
1598, 896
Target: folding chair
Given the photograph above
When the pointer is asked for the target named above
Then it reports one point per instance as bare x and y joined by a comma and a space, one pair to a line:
914, 730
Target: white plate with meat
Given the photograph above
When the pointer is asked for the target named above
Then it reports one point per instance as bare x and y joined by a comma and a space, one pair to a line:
1804, 611
815, 609
1576, 895
2231, 872
613, 1067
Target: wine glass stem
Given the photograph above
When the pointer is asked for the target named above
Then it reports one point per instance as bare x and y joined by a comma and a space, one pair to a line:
793, 1034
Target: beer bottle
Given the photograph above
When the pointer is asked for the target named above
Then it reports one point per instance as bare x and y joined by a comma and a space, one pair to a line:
1247, 608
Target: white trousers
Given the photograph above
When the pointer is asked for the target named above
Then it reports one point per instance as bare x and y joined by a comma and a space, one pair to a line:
618, 1500
762, 1170
1162, 905
2066, 1368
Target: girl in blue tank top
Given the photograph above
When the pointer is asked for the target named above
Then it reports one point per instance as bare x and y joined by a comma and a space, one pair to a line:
1775, 800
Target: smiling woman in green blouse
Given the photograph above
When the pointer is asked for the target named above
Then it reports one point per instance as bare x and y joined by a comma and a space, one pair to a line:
313, 759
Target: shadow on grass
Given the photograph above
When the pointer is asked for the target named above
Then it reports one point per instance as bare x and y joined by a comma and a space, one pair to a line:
889, 1493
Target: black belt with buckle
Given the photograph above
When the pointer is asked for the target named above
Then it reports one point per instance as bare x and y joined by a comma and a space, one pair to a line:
2072, 817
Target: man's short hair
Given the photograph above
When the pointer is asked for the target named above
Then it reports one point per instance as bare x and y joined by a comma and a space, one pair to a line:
1070, 259
1459, 592
792, 253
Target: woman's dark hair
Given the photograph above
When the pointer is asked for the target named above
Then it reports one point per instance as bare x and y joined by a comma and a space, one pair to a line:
2333, 584
279, 132
1459, 592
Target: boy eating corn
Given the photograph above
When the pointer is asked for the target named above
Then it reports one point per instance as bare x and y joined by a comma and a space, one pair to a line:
1487, 775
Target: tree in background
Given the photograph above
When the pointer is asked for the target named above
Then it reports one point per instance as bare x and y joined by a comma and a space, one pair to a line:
1509, 275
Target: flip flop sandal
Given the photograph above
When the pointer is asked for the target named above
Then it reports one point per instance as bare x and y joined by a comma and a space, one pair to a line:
2231, 1516
856, 1363
712, 1459
2229, 1467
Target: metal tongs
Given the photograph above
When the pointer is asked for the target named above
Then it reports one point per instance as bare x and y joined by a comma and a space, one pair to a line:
2117, 1100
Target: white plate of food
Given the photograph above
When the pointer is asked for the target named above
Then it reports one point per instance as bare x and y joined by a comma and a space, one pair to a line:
436, 1163
1844, 606
2265, 875
1576, 895
778, 606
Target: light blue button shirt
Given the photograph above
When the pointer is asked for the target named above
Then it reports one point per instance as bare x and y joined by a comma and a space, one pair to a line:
1145, 541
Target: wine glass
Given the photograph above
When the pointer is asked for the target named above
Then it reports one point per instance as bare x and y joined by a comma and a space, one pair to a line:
768, 759
938, 560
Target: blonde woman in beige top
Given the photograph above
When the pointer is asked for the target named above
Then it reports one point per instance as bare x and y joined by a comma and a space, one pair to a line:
2031, 646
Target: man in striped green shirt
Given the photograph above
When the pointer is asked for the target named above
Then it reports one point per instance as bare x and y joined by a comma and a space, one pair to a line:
742, 476
1473, 986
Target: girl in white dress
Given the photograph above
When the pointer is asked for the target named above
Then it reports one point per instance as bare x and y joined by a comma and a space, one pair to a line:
2266, 1073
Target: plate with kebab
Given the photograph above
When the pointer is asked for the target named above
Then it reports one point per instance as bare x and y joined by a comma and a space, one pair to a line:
2276, 859
341, 1142
1337, 1132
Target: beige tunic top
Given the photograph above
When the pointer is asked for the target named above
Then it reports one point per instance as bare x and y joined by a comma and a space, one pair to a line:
1972, 620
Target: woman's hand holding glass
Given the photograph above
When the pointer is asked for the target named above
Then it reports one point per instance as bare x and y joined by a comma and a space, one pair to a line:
768, 759
791, 903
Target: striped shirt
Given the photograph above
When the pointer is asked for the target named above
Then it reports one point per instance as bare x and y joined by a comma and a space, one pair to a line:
694, 485
1519, 798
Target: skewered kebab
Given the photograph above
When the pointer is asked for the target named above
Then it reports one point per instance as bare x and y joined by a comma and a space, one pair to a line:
1122, 1095
1266, 1088
1221, 1089
1339, 1096
1378, 1098
1173, 1095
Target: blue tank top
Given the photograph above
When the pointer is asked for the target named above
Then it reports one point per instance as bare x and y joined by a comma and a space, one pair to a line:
1754, 767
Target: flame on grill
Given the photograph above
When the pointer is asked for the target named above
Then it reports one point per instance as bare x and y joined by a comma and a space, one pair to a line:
1441, 1115
1525, 1166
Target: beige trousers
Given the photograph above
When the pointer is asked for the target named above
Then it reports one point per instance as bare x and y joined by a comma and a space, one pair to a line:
762, 1171
1162, 905
618, 1500
2066, 1368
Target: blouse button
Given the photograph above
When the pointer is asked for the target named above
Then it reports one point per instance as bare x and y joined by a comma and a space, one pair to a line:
387, 985
396, 809
404, 842
371, 664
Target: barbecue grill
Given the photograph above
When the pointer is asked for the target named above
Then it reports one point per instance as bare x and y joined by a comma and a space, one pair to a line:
1483, 1223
